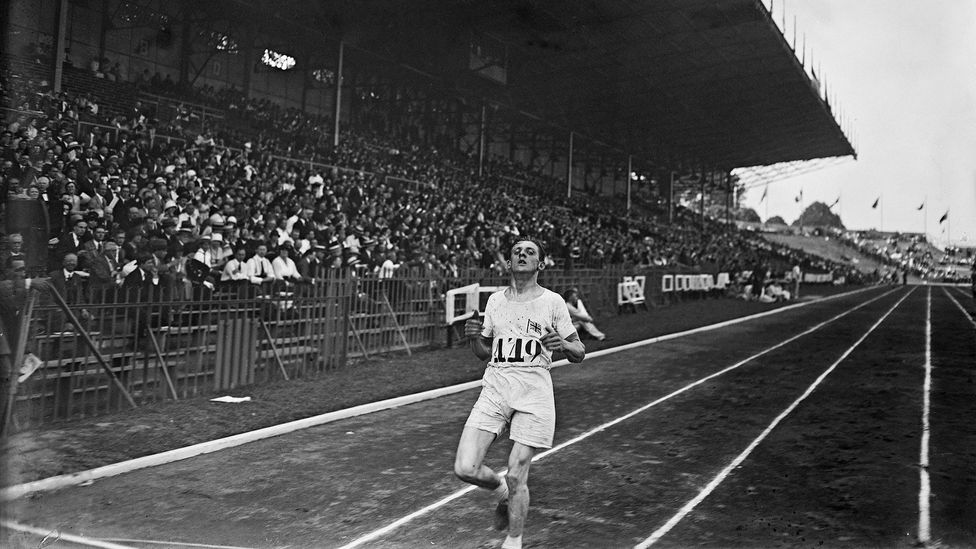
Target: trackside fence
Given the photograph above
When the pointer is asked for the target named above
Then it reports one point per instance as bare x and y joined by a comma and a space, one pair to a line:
173, 340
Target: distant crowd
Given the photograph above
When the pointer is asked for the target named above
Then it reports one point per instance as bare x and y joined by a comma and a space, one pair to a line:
203, 202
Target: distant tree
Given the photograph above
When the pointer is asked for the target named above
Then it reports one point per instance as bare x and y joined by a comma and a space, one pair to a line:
818, 214
776, 220
747, 214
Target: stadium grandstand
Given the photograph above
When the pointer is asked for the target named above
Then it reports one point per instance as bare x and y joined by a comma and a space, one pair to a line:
239, 240
230, 192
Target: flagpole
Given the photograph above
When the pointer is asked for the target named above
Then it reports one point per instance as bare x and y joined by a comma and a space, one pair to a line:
766, 194
882, 212
800, 219
925, 228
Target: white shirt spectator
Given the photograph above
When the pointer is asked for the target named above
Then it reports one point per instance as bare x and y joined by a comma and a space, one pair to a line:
205, 255
290, 223
352, 244
284, 268
387, 269
234, 270
280, 236
191, 217
258, 268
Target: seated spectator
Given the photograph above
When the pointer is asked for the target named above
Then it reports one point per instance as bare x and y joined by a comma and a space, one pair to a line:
71, 284
284, 266
143, 286
106, 272
205, 266
235, 270
389, 266
582, 320
334, 260
14, 252
312, 265
774, 293
259, 269
71, 242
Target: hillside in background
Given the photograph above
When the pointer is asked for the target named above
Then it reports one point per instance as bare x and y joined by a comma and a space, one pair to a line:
819, 214
829, 247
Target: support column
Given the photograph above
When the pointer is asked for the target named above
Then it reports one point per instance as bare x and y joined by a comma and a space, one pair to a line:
482, 130
60, 43
602, 171
249, 59
630, 171
338, 95
185, 41
103, 31
728, 200
702, 204
305, 83
569, 168
671, 200
512, 141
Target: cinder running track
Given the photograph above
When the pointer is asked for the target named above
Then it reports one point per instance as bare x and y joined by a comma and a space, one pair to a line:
844, 423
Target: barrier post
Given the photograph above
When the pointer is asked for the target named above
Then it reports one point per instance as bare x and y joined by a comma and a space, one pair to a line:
18, 359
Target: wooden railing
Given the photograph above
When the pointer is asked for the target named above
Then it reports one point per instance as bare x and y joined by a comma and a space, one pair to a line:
180, 341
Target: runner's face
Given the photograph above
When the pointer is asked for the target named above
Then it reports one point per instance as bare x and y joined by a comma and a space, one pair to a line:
525, 257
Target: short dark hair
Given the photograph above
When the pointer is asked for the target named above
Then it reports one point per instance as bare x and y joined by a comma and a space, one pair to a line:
536, 241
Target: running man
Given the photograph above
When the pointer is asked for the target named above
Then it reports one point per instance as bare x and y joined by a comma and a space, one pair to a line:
522, 327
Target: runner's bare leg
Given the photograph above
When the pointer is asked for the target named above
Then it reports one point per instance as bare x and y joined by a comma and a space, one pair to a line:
469, 461
518, 488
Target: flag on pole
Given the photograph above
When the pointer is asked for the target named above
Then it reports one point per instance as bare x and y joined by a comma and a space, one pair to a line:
765, 191
835, 202
799, 198
944, 217
876, 200
922, 205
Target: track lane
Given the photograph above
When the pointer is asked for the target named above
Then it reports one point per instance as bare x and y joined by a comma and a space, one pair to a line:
952, 469
842, 470
606, 490
340, 485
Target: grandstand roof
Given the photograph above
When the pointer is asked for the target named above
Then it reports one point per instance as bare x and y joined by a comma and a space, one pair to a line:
692, 82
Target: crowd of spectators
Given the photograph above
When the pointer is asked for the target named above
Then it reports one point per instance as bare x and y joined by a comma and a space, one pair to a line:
213, 202
908, 253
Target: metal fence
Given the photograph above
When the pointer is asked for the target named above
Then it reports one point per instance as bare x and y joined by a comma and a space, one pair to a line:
177, 341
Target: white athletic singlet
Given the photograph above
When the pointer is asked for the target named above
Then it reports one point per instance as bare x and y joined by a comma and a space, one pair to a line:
517, 328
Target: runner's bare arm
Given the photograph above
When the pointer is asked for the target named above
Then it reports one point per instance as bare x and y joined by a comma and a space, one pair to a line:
480, 346
572, 347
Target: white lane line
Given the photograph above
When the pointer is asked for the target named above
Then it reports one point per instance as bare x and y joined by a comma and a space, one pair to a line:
925, 489
965, 313
173, 543
63, 481
53, 535
724, 473
440, 503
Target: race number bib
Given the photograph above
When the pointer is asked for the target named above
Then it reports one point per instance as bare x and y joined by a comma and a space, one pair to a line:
516, 349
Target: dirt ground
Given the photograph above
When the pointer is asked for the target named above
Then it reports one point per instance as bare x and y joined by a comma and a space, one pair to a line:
79, 445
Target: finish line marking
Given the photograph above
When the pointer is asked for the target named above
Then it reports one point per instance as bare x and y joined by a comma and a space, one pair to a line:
64, 481
925, 488
440, 503
724, 473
